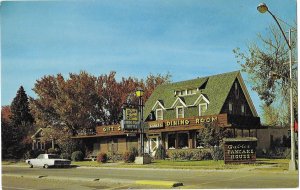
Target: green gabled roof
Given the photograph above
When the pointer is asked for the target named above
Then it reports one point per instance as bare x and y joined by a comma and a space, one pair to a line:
216, 90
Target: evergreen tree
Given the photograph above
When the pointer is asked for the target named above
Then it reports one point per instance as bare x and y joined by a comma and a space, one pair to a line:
20, 112
21, 122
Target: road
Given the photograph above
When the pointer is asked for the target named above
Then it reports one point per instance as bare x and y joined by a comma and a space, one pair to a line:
118, 178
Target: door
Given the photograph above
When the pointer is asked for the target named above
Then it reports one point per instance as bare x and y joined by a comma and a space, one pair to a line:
153, 145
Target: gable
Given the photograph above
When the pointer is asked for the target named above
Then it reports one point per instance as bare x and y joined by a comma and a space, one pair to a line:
238, 97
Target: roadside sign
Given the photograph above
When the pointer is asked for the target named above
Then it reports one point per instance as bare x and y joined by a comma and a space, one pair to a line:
131, 114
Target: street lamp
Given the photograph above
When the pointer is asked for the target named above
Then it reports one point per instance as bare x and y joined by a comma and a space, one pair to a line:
262, 8
139, 93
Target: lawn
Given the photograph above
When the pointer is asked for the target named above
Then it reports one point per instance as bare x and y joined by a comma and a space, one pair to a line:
261, 164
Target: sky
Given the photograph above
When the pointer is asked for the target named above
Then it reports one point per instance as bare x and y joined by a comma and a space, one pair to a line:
186, 38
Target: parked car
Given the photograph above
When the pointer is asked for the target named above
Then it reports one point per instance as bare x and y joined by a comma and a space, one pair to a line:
48, 160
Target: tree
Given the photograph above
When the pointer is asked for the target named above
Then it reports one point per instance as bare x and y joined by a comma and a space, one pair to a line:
266, 65
6, 129
83, 101
73, 103
19, 126
212, 135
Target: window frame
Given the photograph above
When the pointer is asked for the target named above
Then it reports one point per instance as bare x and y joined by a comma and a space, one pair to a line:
243, 110
162, 114
177, 111
230, 107
200, 111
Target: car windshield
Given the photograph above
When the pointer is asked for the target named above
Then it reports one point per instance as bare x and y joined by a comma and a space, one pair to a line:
53, 156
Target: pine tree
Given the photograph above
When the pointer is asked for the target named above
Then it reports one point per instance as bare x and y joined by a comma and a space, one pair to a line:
20, 112
21, 122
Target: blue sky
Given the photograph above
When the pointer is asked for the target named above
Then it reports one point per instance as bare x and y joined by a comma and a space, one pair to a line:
187, 38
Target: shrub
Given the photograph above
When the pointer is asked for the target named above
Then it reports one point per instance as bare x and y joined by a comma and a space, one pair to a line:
32, 154
190, 154
217, 153
102, 157
77, 156
114, 156
51, 151
129, 157
134, 151
65, 156
160, 153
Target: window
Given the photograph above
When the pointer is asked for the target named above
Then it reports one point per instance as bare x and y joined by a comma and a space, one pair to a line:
243, 109
183, 140
180, 112
171, 141
230, 107
236, 90
189, 92
183, 92
202, 109
159, 114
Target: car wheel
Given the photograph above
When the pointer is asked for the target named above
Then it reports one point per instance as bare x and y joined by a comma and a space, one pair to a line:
46, 166
30, 165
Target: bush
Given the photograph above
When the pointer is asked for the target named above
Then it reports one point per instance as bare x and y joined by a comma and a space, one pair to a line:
129, 157
51, 151
65, 156
160, 153
134, 151
217, 153
77, 156
32, 154
102, 157
190, 154
115, 156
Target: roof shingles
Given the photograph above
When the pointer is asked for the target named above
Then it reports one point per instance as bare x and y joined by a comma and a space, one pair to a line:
216, 90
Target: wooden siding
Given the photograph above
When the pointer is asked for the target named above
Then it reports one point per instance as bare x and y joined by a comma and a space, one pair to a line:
237, 98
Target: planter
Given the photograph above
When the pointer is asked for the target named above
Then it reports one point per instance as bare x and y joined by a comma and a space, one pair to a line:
141, 160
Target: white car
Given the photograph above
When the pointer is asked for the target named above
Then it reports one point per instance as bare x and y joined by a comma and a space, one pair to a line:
48, 160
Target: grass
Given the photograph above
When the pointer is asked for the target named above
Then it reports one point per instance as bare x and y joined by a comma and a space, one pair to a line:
260, 165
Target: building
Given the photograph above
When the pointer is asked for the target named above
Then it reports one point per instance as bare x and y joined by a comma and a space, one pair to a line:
176, 112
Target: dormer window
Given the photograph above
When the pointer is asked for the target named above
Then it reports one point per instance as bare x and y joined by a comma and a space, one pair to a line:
202, 109
159, 114
185, 92
180, 112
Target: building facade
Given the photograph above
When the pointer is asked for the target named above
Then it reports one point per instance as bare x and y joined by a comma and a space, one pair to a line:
175, 113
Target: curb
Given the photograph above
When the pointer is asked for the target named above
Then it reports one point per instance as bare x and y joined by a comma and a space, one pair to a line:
159, 183
104, 180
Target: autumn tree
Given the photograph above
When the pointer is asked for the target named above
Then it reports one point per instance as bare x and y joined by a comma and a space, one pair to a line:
266, 63
83, 101
6, 129
72, 103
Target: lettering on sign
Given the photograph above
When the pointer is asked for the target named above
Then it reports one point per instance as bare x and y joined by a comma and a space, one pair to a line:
182, 122
178, 122
131, 114
153, 125
206, 119
240, 151
111, 128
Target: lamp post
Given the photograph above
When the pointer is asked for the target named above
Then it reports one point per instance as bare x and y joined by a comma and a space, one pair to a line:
262, 8
139, 93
